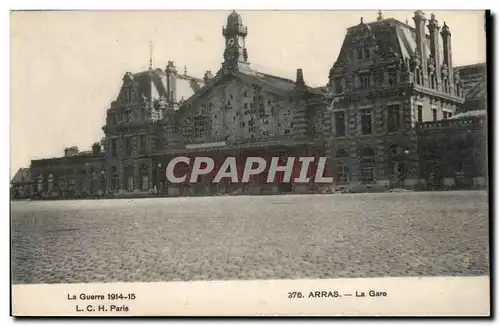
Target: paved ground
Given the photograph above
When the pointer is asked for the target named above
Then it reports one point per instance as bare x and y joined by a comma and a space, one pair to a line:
264, 237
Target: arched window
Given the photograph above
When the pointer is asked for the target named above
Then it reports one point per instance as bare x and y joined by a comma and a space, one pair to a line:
418, 76
40, 183
432, 81
50, 182
129, 178
144, 171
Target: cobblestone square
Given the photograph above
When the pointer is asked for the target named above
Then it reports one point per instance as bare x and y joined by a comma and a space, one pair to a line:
247, 237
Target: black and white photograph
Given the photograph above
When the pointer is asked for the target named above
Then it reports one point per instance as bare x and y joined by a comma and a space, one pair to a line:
242, 145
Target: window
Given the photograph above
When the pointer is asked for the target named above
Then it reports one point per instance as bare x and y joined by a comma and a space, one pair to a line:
433, 81
50, 182
40, 184
445, 85
143, 144
366, 121
393, 77
130, 183
144, 177
367, 53
365, 81
342, 168
458, 89
447, 114
359, 53
128, 146
434, 115
419, 113
128, 116
115, 183
339, 123
338, 85
418, 76
145, 182
112, 144
367, 165
393, 118
381, 77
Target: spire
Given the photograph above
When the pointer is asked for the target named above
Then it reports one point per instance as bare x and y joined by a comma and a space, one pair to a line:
379, 17
150, 55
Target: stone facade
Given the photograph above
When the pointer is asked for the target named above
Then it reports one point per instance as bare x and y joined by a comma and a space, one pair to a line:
389, 80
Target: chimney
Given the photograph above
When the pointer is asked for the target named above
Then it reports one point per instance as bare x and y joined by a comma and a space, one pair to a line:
299, 81
70, 151
434, 42
171, 86
208, 76
419, 19
446, 35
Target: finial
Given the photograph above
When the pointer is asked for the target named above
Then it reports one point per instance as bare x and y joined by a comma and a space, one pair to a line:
150, 55
361, 20
406, 21
380, 15
185, 71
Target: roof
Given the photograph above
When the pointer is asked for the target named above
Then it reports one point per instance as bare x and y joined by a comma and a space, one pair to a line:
152, 84
470, 114
391, 37
22, 175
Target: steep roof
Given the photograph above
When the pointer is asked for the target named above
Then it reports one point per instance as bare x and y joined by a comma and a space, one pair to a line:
391, 37
22, 175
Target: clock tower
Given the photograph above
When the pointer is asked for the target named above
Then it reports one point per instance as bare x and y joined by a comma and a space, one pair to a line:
235, 53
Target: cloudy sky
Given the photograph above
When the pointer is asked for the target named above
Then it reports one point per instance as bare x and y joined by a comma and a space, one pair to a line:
66, 67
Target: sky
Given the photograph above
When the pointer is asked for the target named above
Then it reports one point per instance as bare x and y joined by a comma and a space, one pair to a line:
67, 67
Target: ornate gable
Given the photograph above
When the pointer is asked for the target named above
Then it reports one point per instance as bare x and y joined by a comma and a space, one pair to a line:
236, 107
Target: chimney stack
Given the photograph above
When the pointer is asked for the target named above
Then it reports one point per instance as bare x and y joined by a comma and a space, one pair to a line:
434, 42
446, 35
419, 19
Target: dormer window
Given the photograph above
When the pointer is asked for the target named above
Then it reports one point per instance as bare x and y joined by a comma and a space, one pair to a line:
338, 85
359, 53
364, 81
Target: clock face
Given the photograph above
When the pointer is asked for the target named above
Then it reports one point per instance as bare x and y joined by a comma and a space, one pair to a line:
230, 43
240, 42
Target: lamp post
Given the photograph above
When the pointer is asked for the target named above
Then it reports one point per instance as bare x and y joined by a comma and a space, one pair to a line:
406, 152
